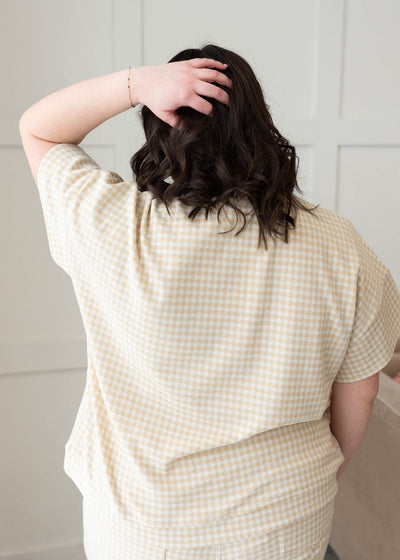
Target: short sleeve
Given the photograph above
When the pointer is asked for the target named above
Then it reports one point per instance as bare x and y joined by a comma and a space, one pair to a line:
66, 175
376, 326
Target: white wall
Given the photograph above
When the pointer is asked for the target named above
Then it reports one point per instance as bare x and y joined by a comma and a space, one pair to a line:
329, 70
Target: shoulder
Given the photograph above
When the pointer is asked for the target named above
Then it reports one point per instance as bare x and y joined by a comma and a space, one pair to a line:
326, 225
323, 215
336, 235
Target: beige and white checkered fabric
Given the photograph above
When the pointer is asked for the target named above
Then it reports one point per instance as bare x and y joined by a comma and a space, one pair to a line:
210, 362
305, 539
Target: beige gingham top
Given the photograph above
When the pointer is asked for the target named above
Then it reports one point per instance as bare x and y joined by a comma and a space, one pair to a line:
210, 362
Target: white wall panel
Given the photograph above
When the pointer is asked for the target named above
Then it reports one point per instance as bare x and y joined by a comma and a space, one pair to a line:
369, 184
277, 39
53, 43
39, 503
371, 65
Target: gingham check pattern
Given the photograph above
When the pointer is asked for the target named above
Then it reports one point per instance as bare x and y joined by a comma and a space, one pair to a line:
210, 362
305, 539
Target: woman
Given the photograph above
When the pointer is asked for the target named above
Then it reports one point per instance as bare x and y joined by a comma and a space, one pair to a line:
228, 384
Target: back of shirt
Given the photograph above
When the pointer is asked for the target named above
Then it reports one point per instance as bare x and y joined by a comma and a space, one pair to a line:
210, 360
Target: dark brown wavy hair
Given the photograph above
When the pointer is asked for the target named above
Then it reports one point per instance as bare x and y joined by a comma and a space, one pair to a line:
235, 153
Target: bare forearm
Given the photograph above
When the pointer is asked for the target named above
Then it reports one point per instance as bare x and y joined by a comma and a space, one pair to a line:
69, 114
349, 421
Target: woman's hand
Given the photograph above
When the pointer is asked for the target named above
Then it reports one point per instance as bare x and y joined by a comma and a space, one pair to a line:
166, 87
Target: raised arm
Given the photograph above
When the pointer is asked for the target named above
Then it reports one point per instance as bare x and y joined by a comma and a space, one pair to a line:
69, 114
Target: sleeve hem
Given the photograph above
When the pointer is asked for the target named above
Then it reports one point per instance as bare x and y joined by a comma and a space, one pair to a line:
48, 156
379, 365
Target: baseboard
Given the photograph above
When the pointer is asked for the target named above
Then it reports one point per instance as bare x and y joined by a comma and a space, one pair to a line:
69, 553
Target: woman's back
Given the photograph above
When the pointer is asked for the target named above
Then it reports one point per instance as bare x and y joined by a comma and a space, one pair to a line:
210, 362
